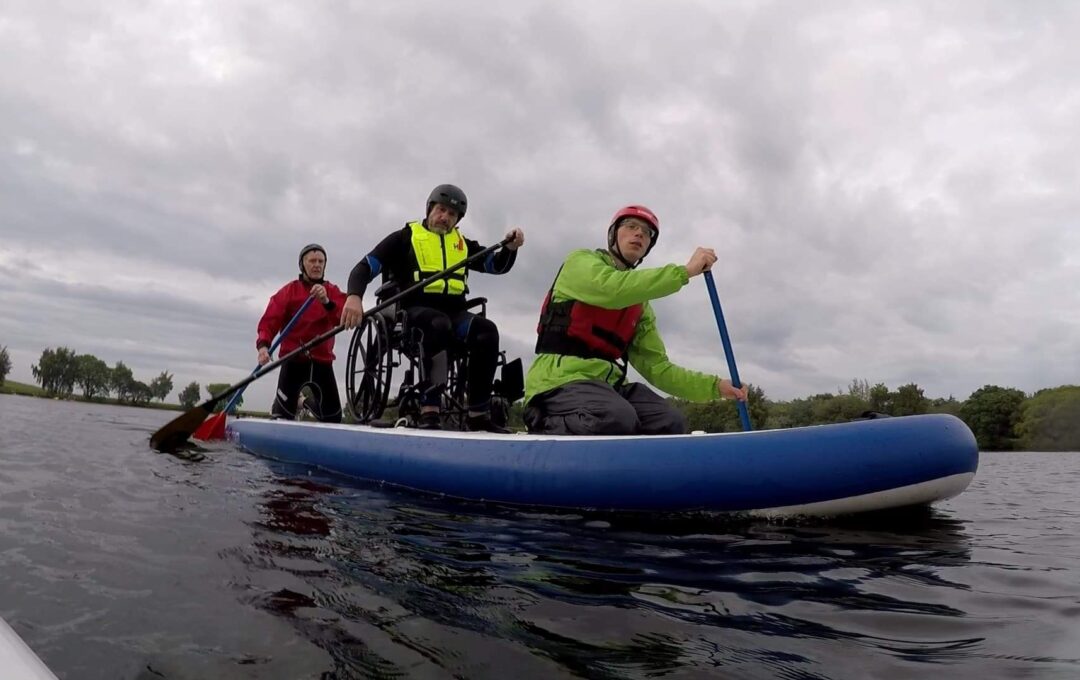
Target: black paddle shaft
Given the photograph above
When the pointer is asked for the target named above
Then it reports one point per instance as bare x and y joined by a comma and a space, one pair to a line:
166, 438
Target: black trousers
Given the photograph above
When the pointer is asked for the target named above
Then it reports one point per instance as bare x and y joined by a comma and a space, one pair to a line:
297, 374
593, 407
478, 335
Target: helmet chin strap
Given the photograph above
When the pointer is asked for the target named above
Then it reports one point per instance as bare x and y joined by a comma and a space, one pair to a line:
613, 248
618, 254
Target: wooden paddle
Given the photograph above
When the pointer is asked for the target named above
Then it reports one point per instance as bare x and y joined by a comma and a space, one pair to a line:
214, 427
176, 432
744, 415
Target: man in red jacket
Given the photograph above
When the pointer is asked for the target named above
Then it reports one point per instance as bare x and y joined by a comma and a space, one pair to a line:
313, 368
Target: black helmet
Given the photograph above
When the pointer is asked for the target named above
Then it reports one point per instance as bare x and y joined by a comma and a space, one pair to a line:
448, 195
307, 249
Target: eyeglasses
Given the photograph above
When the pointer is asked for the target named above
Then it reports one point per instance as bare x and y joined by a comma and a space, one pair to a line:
640, 227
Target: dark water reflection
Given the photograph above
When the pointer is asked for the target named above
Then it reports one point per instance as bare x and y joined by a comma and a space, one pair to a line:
615, 596
120, 563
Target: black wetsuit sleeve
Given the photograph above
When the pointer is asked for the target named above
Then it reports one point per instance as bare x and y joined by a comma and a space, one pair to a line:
498, 262
384, 257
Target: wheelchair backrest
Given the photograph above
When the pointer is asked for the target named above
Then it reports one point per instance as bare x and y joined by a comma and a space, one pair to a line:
385, 292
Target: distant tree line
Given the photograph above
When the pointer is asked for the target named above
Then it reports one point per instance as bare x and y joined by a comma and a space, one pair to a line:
5, 364
190, 395
1002, 418
61, 371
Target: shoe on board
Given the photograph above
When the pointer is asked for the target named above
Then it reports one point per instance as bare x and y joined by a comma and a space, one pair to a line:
484, 423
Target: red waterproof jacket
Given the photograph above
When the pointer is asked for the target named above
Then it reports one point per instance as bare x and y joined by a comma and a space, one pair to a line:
317, 319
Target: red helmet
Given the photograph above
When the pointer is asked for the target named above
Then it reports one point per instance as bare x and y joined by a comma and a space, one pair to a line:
640, 212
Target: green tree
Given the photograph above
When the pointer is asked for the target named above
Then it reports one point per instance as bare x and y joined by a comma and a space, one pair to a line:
218, 388
835, 408
161, 386
794, 413
723, 415
704, 416
950, 406
1050, 420
992, 413
908, 400
779, 415
860, 388
880, 399
5, 364
759, 407
92, 374
139, 392
121, 381
56, 371
189, 396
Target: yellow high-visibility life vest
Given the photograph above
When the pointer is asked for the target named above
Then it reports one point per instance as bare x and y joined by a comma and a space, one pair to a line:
436, 252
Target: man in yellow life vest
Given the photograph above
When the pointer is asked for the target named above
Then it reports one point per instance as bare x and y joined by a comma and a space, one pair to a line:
417, 251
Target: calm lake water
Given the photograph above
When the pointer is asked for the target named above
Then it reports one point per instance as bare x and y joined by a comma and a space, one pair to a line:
117, 562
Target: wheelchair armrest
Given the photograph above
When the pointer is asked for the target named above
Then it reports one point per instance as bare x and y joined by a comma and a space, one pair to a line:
387, 290
475, 302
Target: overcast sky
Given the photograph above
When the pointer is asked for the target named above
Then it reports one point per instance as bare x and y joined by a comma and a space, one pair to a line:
893, 188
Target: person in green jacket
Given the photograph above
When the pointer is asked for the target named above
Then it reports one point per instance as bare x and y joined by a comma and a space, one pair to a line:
595, 319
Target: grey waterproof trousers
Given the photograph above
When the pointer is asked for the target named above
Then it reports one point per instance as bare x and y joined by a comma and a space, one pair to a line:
593, 407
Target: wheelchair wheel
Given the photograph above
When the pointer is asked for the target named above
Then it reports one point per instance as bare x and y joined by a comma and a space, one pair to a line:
368, 369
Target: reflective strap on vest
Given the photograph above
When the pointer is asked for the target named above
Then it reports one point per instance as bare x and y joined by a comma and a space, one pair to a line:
436, 252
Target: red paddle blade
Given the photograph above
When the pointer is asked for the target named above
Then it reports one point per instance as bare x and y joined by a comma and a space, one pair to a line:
212, 428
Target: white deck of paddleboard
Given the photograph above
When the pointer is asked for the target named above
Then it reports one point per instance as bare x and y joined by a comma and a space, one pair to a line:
17, 660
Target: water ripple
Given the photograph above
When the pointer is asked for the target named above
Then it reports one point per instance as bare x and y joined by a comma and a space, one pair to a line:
120, 563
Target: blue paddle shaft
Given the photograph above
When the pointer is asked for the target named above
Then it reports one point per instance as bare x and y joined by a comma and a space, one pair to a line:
744, 416
274, 346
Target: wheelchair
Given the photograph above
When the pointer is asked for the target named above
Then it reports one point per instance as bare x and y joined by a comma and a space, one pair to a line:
384, 343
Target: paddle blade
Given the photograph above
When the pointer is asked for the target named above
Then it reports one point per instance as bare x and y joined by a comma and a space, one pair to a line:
176, 432
213, 428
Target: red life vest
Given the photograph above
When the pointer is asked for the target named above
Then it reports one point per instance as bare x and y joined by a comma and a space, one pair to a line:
583, 330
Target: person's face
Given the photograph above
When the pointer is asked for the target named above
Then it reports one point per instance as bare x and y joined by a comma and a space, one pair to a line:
314, 264
633, 236
442, 218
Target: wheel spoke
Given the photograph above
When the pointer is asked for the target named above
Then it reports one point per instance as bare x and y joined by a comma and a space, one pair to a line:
368, 369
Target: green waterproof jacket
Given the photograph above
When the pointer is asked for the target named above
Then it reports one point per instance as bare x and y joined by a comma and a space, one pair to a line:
590, 276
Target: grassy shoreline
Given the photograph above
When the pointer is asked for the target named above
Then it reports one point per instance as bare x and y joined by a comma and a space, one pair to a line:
24, 389
14, 387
